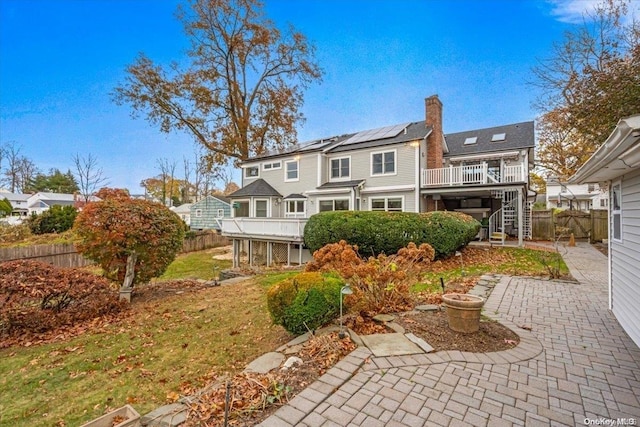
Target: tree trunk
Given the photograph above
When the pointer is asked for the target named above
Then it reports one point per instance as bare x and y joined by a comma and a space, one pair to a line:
130, 273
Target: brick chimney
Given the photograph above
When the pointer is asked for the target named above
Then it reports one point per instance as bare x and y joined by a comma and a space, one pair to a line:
435, 142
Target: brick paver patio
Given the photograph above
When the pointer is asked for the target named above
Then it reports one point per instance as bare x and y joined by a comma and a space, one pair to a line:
575, 367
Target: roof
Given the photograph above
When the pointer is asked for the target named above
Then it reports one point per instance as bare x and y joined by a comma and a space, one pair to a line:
296, 196
618, 155
516, 136
405, 132
14, 196
183, 208
341, 184
259, 187
221, 199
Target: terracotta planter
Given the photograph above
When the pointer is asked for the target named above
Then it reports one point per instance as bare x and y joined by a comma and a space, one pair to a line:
463, 312
126, 411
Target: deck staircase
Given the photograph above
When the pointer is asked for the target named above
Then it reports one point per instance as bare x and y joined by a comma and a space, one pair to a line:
504, 221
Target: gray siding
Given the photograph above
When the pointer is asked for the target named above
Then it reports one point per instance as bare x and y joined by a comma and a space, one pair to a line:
209, 206
625, 257
408, 204
361, 165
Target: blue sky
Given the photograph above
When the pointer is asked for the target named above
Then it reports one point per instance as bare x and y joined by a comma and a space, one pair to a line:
61, 59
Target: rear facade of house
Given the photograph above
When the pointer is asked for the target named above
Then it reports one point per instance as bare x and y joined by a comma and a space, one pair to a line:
408, 167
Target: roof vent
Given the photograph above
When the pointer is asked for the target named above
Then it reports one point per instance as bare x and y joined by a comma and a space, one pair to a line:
498, 137
471, 140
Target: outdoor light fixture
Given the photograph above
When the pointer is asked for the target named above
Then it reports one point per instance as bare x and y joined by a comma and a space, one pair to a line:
345, 290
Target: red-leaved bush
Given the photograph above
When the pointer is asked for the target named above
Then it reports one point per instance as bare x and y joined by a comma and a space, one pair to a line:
380, 284
36, 297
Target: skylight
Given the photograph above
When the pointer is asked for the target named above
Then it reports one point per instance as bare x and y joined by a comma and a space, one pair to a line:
471, 140
498, 137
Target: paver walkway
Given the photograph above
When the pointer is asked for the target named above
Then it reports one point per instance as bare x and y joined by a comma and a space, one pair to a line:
576, 367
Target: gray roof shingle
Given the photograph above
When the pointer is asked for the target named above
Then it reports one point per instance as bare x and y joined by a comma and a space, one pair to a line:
517, 136
259, 187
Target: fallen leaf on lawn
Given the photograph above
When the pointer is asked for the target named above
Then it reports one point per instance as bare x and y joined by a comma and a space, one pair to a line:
410, 321
512, 342
172, 396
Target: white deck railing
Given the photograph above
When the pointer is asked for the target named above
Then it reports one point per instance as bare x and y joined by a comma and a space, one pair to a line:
291, 229
473, 174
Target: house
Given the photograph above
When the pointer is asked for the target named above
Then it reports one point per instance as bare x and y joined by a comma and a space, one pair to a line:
19, 203
616, 166
43, 201
410, 167
207, 213
183, 211
579, 197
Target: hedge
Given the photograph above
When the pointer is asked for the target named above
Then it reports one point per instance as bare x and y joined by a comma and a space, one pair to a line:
387, 232
305, 301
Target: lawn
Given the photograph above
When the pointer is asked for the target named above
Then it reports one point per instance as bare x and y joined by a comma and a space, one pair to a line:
164, 348
171, 346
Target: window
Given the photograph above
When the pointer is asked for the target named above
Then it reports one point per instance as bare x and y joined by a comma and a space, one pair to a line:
271, 166
383, 163
241, 209
291, 171
616, 211
471, 140
198, 213
603, 203
294, 208
591, 188
334, 205
498, 137
251, 172
340, 168
261, 208
220, 213
391, 204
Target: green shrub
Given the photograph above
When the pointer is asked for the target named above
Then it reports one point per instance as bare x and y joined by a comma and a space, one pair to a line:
5, 207
55, 220
305, 301
387, 232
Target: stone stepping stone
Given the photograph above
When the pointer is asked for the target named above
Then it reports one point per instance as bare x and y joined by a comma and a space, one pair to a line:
265, 363
384, 318
428, 307
419, 342
382, 345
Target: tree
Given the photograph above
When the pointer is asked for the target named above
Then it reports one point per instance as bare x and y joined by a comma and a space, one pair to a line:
55, 181
538, 183
57, 219
590, 81
19, 169
240, 95
5, 207
89, 176
118, 229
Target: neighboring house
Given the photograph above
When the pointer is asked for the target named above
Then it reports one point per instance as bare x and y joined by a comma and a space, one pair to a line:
207, 213
43, 201
19, 202
183, 211
409, 167
578, 197
616, 166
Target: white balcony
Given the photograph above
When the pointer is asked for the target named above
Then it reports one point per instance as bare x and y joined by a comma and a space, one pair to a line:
473, 174
275, 229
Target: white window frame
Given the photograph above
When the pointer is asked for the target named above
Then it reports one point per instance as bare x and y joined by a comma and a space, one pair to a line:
333, 199
339, 178
220, 213
233, 211
386, 203
395, 163
198, 213
286, 171
296, 213
616, 212
270, 166
246, 171
255, 208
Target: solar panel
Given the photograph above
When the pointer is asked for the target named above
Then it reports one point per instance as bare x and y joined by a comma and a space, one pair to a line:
375, 134
313, 145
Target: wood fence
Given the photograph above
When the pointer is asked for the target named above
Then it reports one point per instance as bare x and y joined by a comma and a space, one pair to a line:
590, 225
65, 254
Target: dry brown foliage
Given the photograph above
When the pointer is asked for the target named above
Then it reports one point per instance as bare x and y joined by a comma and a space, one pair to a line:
380, 284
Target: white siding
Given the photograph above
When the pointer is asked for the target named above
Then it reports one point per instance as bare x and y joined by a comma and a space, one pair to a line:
625, 258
